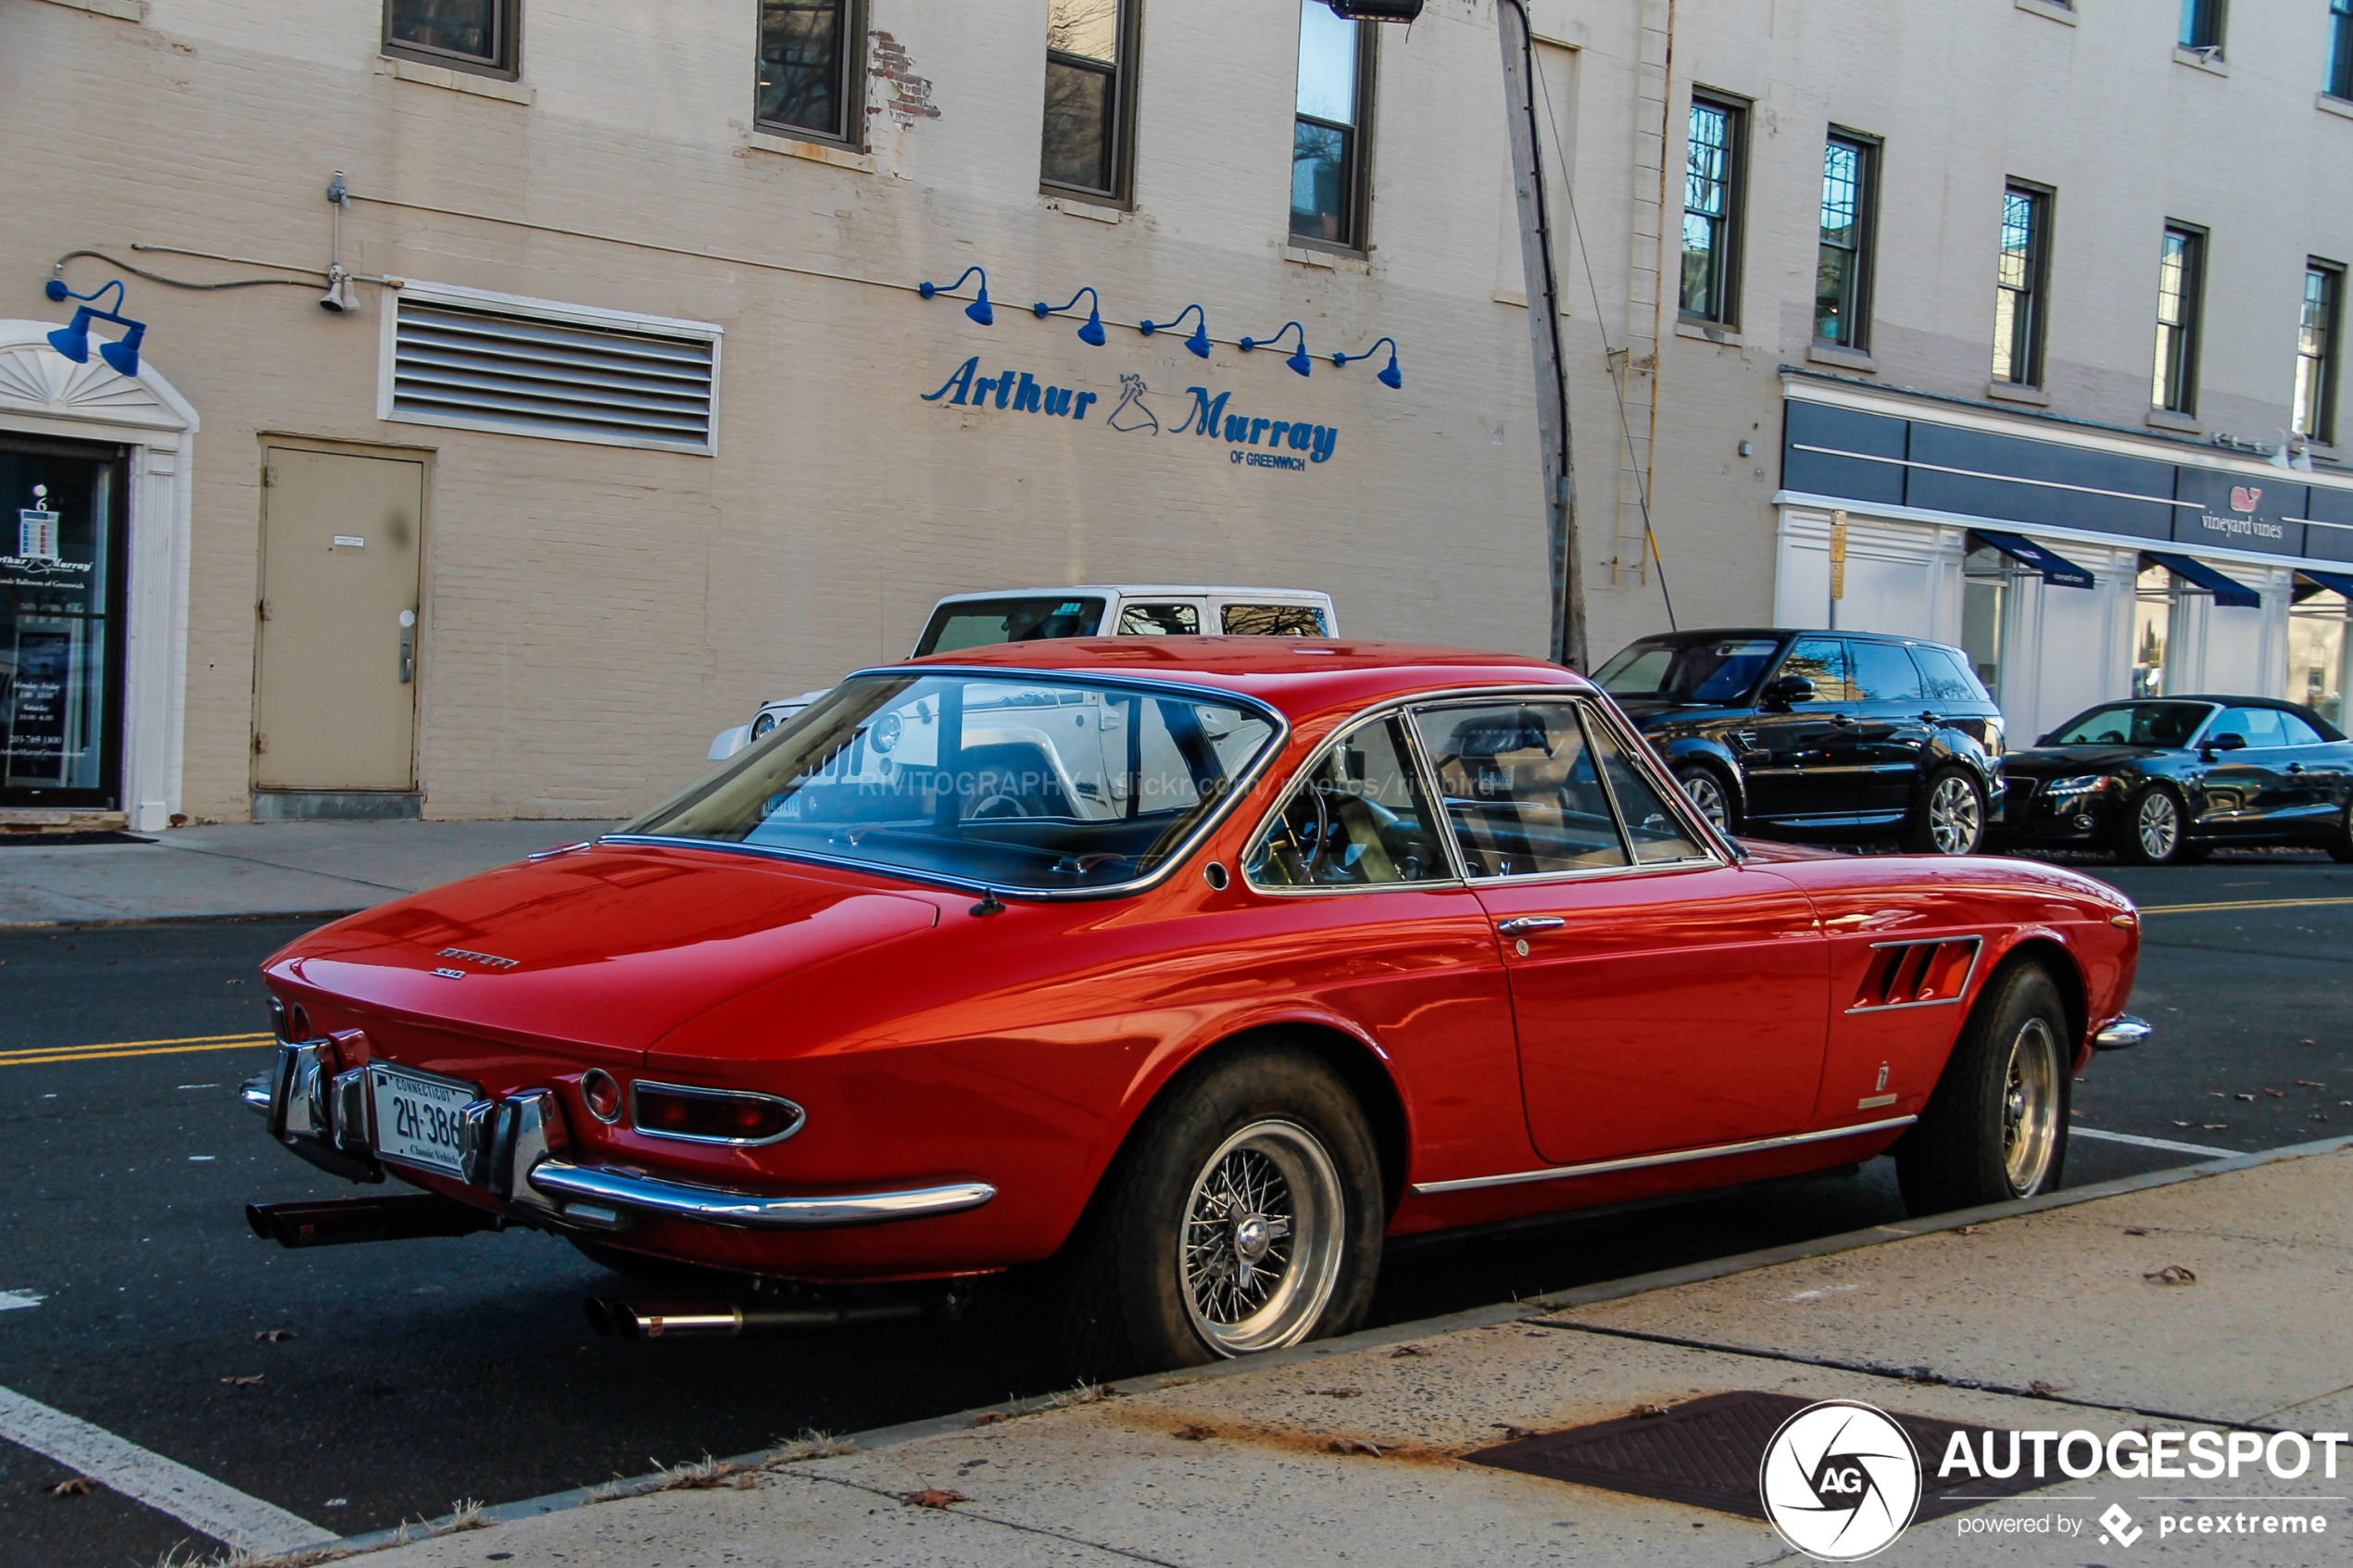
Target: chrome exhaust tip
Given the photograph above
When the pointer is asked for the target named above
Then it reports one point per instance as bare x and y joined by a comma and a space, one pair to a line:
619, 1318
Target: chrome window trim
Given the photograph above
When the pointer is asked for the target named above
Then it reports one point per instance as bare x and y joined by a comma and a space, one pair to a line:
1676, 1157
1176, 858
1387, 707
703, 1091
1721, 852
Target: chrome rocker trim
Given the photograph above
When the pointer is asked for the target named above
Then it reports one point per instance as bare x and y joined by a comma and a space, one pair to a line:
2122, 1034
562, 1179
1678, 1157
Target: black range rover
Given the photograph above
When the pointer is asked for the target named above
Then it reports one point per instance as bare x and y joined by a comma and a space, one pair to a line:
1836, 736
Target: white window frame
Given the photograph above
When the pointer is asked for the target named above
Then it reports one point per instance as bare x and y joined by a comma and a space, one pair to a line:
388, 351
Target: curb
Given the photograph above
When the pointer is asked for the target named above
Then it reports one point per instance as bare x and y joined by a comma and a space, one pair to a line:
1397, 1334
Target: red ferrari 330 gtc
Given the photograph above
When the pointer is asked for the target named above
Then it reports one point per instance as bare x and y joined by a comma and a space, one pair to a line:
1195, 967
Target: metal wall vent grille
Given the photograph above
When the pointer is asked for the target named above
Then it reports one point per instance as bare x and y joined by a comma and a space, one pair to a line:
461, 364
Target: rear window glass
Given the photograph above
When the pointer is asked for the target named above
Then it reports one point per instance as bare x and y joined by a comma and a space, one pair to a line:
1883, 673
1273, 621
976, 623
1160, 621
1945, 678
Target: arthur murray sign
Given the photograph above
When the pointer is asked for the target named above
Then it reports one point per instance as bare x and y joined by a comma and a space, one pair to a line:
1252, 441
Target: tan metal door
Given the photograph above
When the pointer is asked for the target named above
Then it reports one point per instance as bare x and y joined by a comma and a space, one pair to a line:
335, 683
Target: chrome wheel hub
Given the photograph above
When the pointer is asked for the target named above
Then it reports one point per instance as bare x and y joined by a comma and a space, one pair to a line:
1954, 816
2030, 1108
1260, 1249
2159, 825
1709, 796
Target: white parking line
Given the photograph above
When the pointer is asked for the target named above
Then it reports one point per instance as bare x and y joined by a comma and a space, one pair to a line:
10, 1301
223, 1513
2167, 1144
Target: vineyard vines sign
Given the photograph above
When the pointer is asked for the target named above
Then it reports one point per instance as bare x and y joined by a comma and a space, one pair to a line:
1252, 441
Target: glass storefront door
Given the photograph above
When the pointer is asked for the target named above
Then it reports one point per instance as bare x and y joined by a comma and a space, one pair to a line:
1985, 591
2316, 654
2152, 629
62, 519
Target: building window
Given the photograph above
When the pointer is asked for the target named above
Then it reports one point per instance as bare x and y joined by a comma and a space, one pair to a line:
1328, 136
1091, 48
2181, 293
1843, 274
2341, 48
2202, 25
2018, 302
808, 76
2316, 647
1713, 155
2313, 415
475, 35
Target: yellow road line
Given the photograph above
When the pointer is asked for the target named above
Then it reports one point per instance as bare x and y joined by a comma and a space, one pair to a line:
131, 1047
127, 1045
2241, 904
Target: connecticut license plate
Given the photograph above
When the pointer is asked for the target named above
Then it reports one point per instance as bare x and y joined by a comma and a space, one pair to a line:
417, 1117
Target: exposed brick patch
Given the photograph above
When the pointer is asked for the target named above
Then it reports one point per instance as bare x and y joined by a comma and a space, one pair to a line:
910, 93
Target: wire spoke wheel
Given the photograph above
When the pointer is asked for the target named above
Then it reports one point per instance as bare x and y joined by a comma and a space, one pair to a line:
2158, 825
1956, 819
2030, 1107
1260, 1246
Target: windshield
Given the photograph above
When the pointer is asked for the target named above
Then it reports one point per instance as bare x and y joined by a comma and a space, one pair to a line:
2135, 724
974, 624
1035, 784
1711, 669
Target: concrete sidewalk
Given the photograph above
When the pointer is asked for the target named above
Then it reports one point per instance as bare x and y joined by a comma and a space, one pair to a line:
235, 869
2053, 1319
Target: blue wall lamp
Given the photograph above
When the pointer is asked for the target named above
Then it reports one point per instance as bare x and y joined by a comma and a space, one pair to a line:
1298, 361
73, 341
1091, 334
1388, 375
978, 310
1198, 342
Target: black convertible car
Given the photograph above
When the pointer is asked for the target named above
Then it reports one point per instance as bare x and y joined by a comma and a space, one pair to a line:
1831, 735
2168, 779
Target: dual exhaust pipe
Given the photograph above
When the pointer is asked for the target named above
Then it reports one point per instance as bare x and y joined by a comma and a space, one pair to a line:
617, 1318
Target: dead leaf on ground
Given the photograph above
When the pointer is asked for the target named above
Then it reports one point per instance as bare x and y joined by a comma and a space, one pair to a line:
2213, 1126
2277, 1093
2172, 1273
1515, 1434
991, 1418
2308, 1042
1966, 1230
1407, 1351
1194, 1432
79, 1487
933, 1497
1647, 1412
1336, 1393
2308, 1083
273, 1336
2042, 1390
1356, 1445
243, 1381
2318, 1116
2136, 1230
2249, 1099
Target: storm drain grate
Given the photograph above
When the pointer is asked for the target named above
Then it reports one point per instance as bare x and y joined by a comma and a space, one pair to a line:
1706, 1453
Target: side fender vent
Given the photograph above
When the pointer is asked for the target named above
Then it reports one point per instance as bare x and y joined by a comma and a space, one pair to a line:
1918, 974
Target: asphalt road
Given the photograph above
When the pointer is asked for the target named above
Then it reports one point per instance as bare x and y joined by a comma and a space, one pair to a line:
421, 1374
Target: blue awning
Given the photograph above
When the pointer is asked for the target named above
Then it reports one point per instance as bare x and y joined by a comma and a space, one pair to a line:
2335, 581
2055, 568
2226, 591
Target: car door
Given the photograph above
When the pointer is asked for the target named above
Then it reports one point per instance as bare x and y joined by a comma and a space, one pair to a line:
2243, 786
1664, 997
1890, 739
1803, 763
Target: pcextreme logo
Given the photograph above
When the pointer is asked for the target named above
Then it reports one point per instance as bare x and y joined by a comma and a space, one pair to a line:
1840, 1480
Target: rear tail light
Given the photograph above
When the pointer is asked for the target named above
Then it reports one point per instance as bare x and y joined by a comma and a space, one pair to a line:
723, 1116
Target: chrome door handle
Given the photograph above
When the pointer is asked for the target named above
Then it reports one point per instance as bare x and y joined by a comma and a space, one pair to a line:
1520, 925
2296, 767
1844, 721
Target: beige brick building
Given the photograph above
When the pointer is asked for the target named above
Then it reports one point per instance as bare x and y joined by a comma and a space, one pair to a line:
636, 413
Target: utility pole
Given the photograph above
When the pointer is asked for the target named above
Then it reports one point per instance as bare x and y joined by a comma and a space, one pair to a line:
1566, 573
1563, 569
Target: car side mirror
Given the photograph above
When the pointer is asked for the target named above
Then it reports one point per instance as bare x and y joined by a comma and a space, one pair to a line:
1789, 688
2044, 738
2226, 743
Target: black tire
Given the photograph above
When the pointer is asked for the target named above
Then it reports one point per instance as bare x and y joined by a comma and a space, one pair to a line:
662, 1272
2340, 843
2154, 829
1124, 1306
1950, 819
1976, 1143
1713, 792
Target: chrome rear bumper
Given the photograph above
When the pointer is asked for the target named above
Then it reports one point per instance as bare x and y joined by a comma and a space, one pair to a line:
511, 1155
